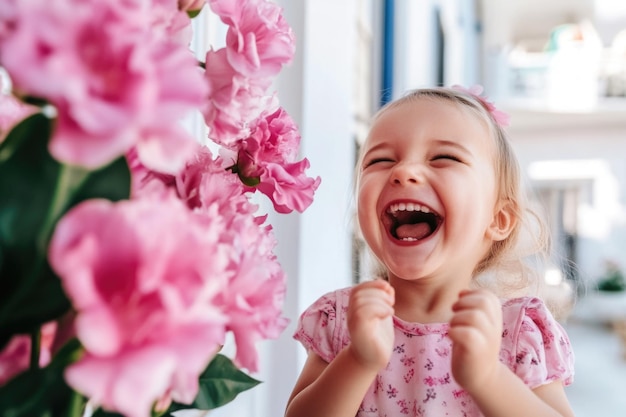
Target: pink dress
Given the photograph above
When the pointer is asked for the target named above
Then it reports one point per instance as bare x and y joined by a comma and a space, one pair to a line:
418, 380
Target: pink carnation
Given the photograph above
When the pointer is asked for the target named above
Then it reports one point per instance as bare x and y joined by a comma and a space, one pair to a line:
167, 17
15, 357
114, 83
234, 100
259, 41
143, 276
142, 183
252, 299
191, 5
269, 154
204, 183
255, 293
12, 111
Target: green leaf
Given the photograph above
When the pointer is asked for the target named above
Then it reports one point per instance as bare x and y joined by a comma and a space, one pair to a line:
36, 191
28, 174
111, 182
220, 383
43, 392
249, 181
613, 281
103, 413
193, 13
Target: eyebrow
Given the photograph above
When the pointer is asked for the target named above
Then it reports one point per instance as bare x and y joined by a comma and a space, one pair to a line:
383, 144
453, 144
438, 142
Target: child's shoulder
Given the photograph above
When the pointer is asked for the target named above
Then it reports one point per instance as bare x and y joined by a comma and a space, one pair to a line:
520, 309
528, 316
329, 302
532, 337
321, 327
519, 303
525, 306
334, 297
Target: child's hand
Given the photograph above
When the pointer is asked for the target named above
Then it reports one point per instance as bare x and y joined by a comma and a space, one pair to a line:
370, 323
476, 333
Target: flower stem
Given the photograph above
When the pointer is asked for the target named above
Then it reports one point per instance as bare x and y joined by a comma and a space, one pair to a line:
35, 348
70, 178
76, 406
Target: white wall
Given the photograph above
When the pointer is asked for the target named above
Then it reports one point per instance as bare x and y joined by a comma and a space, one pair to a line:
572, 129
315, 247
415, 53
509, 21
585, 148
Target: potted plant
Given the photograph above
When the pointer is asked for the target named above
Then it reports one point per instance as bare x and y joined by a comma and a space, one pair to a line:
606, 303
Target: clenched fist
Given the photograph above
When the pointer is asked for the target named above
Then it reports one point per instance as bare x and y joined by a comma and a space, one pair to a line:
476, 334
370, 323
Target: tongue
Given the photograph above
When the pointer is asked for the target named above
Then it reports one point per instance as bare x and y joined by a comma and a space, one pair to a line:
415, 231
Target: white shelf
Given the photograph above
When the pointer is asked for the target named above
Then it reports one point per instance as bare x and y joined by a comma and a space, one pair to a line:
536, 114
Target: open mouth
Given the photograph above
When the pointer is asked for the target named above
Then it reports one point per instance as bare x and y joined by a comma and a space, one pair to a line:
411, 222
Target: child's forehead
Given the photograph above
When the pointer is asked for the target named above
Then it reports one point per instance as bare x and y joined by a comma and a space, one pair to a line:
444, 120
416, 105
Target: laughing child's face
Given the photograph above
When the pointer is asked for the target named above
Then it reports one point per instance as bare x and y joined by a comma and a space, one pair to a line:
427, 190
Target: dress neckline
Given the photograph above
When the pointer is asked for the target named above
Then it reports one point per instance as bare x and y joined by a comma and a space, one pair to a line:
420, 329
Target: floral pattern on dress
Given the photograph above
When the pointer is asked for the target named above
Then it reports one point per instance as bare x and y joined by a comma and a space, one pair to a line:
418, 378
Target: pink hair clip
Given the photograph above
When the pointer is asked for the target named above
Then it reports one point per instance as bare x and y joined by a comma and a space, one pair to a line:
501, 118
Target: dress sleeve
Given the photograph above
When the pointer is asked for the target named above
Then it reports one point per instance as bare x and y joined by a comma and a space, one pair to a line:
544, 353
319, 326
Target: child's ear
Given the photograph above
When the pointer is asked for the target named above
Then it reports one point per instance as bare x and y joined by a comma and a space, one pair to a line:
504, 221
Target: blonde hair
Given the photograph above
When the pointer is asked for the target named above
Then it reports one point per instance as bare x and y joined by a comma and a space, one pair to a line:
511, 264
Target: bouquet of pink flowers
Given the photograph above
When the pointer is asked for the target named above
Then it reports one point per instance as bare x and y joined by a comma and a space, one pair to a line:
128, 248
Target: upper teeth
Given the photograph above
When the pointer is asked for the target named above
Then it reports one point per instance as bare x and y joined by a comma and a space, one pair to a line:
407, 207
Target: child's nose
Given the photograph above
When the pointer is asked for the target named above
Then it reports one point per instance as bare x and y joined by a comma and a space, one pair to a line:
407, 173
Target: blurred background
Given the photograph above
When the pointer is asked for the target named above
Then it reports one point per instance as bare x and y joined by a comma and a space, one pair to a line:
558, 67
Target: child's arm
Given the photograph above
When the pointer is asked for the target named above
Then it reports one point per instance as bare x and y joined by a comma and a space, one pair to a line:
475, 331
335, 389
338, 388
507, 395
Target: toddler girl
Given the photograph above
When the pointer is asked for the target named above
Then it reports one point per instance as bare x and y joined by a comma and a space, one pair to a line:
439, 203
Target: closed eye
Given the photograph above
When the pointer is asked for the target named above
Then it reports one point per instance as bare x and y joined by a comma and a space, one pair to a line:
446, 156
376, 161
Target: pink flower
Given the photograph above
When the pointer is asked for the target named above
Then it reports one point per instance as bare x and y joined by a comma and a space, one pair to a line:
254, 296
8, 17
191, 5
500, 117
143, 276
141, 178
173, 22
252, 299
234, 100
15, 357
204, 183
269, 154
12, 111
259, 41
114, 83
288, 187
